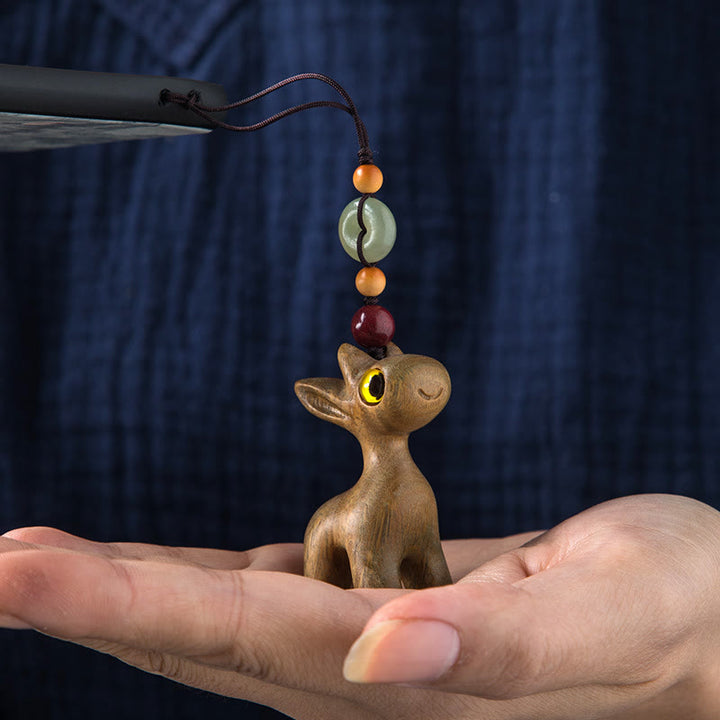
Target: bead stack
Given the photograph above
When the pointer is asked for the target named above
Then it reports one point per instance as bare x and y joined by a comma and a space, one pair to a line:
367, 231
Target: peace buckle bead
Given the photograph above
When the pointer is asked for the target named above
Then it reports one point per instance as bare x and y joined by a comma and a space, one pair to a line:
380, 225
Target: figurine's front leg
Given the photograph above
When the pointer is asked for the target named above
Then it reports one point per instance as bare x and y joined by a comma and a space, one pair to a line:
325, 556
373, 566
327, 562
426, 569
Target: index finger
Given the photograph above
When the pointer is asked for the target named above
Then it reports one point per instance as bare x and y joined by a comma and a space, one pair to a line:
281, 557
275, 627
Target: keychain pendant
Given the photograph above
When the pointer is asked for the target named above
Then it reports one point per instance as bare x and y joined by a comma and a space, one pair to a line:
383, 532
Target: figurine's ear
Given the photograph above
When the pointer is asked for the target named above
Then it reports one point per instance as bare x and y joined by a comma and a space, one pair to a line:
393, 349
352, 361
323, 397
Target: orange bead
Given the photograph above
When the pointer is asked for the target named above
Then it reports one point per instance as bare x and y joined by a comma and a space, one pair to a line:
370, 281
367, 178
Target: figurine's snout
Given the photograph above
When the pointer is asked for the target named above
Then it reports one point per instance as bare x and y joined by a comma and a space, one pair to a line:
430, 393
432, 382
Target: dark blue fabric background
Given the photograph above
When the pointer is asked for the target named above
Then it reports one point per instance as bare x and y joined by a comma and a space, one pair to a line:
553, 169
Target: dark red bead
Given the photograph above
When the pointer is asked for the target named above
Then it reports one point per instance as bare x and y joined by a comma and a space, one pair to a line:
373, 326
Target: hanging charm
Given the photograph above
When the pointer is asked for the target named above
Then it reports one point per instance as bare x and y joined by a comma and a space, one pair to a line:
383, 532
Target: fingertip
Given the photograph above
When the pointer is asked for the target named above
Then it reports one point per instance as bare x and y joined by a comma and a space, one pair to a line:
37, 535
51, 538
17, 534
8, 622
403, 651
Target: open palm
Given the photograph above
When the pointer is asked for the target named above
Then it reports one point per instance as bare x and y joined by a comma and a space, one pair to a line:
610, 614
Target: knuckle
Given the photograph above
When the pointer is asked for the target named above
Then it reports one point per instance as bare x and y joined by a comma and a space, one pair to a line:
255, 665
160, 663
151, 661
113, 550
247, 658
127, 580
172, 552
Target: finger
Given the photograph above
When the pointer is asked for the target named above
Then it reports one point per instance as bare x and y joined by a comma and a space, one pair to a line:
8, 545
525, 635
463, 556
274, 627
286, 557
295, 703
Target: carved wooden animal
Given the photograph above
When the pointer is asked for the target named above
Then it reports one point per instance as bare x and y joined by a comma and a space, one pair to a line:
383, 532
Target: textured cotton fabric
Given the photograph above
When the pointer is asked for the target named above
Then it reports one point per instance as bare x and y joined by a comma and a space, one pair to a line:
553, 170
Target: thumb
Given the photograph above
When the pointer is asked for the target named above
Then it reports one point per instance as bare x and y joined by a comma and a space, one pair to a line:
499, 635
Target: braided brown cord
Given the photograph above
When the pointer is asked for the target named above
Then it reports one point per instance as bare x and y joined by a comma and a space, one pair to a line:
191, 101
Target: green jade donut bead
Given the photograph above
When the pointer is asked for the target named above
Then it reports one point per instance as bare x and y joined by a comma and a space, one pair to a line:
381, 229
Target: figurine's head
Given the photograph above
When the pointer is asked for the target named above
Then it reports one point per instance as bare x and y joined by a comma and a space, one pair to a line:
393, 396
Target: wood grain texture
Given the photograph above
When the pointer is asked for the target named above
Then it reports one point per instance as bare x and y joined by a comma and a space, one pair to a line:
382, 532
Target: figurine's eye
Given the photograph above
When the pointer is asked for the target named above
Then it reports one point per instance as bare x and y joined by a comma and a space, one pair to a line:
372, 386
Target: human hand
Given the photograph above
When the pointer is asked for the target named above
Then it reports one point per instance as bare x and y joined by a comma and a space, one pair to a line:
241, 624
611, 614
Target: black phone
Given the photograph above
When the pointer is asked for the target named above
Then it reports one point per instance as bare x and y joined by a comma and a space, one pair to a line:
43, 108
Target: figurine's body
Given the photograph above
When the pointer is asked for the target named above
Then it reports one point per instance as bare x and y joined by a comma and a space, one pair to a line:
383, 532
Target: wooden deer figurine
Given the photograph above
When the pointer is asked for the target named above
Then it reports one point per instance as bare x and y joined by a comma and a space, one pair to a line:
383, 532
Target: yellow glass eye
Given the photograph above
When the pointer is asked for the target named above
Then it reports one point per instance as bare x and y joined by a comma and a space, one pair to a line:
372, 386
